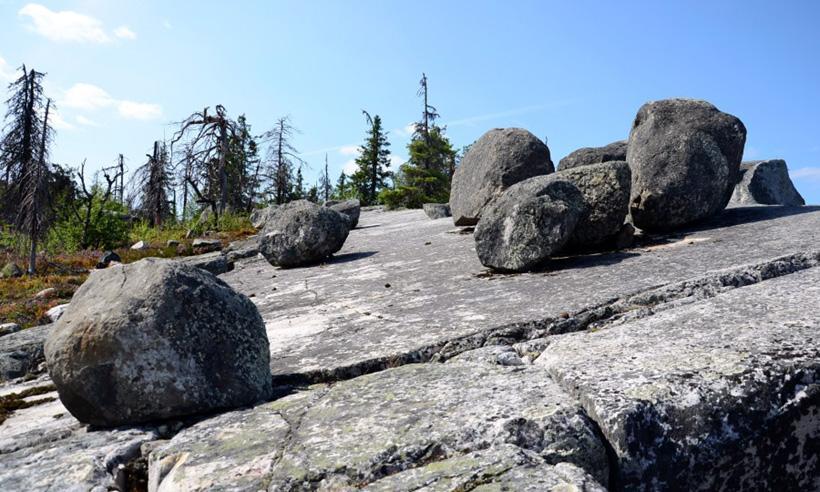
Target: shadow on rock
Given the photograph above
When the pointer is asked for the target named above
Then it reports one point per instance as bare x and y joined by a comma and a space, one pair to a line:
747, 215
348, 257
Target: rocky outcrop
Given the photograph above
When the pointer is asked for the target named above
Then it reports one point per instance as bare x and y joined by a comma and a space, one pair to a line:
605, 188
499, 159
616, 151
393, 430
350, 209
722, 394
528, 223
215, 262
206, 245
684, 156
302, 233
21, 353
766, 183
437, 210
156, 339
108, 257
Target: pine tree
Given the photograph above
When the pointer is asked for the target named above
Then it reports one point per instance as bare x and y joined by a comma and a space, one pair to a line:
297, 191
154, 180
344, 188
282, 158
373, 162
325, 187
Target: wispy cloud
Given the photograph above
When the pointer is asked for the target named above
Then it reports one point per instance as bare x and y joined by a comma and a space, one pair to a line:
350, 150
6, 72
472, 120
58, 122
89, 97
405, 132
82, 120
123, 32
69, 26
807, 173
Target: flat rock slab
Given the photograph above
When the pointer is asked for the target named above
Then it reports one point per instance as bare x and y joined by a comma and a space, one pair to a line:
434, 424
44, 448
722, 394
404, 286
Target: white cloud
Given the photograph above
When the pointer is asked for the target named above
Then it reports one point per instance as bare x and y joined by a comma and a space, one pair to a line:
807, 173
82, 120
6, 72
350, 167
406, 132
86, 96
123, 32
57, 121
139, 111
350, 150
396, 161
64, 25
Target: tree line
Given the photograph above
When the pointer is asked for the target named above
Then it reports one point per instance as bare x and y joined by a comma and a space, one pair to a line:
213, 162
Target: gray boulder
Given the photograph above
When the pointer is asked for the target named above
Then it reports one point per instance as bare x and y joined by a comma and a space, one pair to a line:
8, 328
605, 188
22, 352
684, 156
261, 216
528, 223
348, 208
303, 233
54, 313
766, 183
437, 210
157, 339
215, 262
11, 270
205, 245
499, 159
106, 259
616, 151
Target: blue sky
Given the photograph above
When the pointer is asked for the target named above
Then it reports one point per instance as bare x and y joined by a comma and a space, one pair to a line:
576, 72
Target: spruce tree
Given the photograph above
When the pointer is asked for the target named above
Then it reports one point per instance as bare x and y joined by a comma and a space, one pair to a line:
373, 162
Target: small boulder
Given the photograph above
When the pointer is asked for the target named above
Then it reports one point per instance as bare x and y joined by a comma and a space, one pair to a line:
684, 155
349, 208
11, 270
47, 293
8, 328
496, 161
107, 258
437, 210
616, 151
172, 243
140, 245
56, 312
766, 183
261, 216
605, 188
204, 245
528, 223
128, 351
302, 233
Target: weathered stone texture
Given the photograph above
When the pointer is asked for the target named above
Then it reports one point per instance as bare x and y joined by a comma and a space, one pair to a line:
766, 183
616, 151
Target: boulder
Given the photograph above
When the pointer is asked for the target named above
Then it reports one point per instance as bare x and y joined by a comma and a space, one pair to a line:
261, 216
11, 270
348, 208
437, 210
47, 293
616, 151
21, 353
605, 188
215, 262
54, 313
157, 339
172, 243
302, 233
496, 161
8, 328
766, 183
140, 245
204, 245
528, 223
107, 257
684, 155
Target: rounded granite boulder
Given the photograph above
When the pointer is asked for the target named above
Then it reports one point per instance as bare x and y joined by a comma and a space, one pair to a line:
499, 159
303, 233
616, 151
157, 339
350, 209
528, 223
684, 155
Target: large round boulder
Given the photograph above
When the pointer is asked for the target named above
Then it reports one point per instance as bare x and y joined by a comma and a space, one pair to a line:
616, 151
302, 233
348, 208
157, 339
499, 159
605, 188
766, 183
528, 223
684, 156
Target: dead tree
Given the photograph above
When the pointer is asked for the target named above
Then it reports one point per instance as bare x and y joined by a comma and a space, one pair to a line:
33, 216
153, 180
281, 160
83, 206
208, 143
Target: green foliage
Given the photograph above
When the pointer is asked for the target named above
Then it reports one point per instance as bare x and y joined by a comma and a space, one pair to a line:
373, 161
345, 188
416, 186
108, 228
